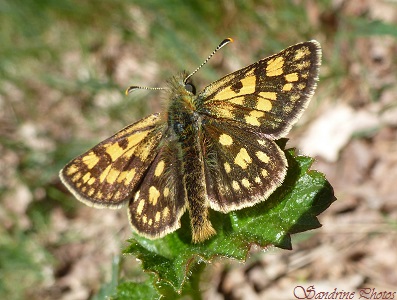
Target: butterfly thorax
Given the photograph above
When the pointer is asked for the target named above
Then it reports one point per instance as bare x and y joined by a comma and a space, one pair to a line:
184, 126
182, 117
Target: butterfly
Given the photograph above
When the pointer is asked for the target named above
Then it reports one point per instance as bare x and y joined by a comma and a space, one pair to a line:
213, 149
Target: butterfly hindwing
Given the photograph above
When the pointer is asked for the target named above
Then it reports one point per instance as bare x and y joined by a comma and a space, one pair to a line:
268, 96
108, 174
241, 169
161, 200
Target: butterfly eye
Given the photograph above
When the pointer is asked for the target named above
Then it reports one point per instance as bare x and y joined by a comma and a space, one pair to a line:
190, 88
178, 128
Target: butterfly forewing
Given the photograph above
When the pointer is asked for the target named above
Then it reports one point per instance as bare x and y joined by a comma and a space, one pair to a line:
269, 95
109, 174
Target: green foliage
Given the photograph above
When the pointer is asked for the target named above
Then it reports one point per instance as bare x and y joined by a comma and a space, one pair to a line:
112, 286
137, 290
175, 263
364, 27
21, 264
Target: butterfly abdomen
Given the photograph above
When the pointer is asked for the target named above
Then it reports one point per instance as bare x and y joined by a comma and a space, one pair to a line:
195, 186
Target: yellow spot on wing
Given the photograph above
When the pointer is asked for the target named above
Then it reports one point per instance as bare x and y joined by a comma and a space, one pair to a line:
104, 174
262, 156
242, 158
264, 105
304, 51
114, 150
166, 212
154, 195
287, 87
91, 192
122, 176
144, 152
76, 176
136, 138
292, 77
275, 66
86, 177
264, 172
130, 175
294, 97
91, 180
235, 185
249, 83
225, 94
288, 108
237, 100
269, 95
90, 160
252, 119
166, 192
159, 168
301, 86
257, 114
112, 176
225, 140
140, 207
227, 167
303, 65
150, 222
245, 182
257, 179
157, 217
71, 170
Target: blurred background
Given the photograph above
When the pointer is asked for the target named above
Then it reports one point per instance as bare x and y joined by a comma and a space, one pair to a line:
64, 68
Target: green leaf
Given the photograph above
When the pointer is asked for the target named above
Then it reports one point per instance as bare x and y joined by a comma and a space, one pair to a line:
136, 290
110, 287
291, 208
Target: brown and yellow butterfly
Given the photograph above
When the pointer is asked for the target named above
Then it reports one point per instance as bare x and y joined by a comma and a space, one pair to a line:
212, 149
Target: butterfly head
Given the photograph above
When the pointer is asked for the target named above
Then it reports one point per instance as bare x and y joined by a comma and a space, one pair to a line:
190, 87
181, 87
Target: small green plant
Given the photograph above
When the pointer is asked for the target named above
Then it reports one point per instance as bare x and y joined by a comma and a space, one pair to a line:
175, 265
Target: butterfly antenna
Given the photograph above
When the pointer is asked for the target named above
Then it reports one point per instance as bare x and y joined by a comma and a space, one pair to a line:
135, 87
223, 43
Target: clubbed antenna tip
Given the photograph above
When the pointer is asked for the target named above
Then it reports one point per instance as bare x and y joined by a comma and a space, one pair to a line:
223, 43
135, 87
